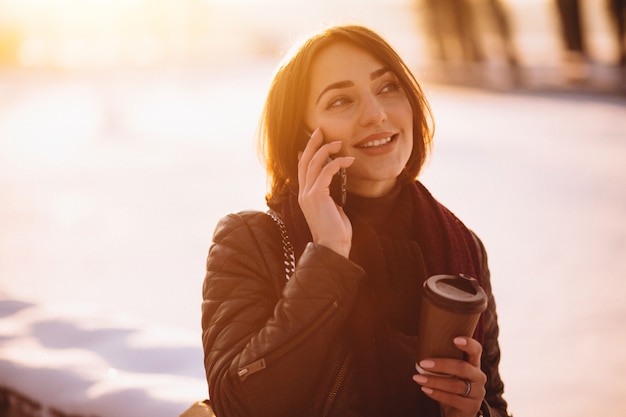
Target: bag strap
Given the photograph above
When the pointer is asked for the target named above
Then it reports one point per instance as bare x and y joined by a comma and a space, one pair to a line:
289, 256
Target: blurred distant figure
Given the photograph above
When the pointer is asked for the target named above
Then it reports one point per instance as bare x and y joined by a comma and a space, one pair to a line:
617, 11
503, 27
572, 34
500, 16
455, 34
453, 31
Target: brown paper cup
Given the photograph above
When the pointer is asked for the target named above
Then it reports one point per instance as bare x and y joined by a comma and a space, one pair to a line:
451, 307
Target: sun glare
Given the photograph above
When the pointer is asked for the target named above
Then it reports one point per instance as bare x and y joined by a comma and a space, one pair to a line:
157, 33
84, 33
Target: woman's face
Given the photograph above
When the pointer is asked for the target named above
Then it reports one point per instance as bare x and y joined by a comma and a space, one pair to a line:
356, 99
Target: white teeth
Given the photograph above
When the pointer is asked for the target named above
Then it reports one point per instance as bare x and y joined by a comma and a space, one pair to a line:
377, 142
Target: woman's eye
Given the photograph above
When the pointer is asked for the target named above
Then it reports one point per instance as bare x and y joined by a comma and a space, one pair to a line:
339, 101
391, 87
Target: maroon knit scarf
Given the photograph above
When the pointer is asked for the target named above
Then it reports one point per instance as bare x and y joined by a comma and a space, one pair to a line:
447, 245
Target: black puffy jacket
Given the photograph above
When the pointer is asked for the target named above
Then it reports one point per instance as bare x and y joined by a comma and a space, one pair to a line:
275, 347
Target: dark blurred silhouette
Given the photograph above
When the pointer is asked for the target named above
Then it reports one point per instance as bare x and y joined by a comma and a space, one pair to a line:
454, 32
573, 37
571, 25
502, 20
617, 12
500, 16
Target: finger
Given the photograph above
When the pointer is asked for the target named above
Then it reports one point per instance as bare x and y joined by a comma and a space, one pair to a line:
467, 405
321, 167
454, 367
323, 155
463, 387
450, 392
471, 347
324, 183
315, 155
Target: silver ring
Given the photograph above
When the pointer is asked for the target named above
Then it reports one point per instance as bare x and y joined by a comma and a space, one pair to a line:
468, 388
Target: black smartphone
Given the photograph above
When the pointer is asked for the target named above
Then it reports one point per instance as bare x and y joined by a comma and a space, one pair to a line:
338, 187
338, 183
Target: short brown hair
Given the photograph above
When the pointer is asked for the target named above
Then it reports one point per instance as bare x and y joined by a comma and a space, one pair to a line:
281, 134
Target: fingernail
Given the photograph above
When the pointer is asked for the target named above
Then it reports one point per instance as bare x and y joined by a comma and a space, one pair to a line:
460, 341
427, 364
299, 155
427, 390
420, 379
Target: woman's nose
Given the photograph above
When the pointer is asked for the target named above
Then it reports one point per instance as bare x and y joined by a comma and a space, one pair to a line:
372, 111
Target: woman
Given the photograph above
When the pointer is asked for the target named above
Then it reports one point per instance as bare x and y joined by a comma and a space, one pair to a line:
333, 331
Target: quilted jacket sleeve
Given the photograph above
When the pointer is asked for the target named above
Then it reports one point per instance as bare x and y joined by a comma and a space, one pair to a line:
264, 345
494, 404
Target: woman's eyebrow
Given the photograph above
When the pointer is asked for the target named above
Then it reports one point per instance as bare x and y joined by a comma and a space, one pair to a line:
345, 84
379, 73
339, 84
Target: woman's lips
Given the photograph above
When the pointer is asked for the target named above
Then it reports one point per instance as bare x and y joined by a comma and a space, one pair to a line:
376, 142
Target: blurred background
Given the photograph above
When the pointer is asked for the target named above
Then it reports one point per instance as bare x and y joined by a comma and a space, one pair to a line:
96, 34
127, 129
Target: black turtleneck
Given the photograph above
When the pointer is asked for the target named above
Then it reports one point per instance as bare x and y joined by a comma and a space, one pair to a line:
385, 319
390, 231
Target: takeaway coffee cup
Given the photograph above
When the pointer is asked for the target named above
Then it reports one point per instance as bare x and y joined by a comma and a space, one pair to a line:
451, 307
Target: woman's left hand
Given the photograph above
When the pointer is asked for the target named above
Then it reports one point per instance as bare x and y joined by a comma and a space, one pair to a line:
462, 392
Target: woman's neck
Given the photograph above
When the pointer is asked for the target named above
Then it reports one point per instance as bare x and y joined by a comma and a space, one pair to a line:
370, 188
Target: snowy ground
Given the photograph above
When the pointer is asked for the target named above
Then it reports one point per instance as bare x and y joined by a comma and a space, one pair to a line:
111, 184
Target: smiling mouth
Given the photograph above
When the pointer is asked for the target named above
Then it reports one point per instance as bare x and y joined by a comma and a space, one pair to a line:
377, 142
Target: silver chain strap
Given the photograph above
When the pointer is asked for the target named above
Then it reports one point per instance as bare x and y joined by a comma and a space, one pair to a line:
290, 258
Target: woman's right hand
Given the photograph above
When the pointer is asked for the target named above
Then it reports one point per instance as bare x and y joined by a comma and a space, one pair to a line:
327, 221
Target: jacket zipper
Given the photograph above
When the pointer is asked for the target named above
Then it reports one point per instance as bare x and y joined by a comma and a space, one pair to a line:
334, 389
260, 364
